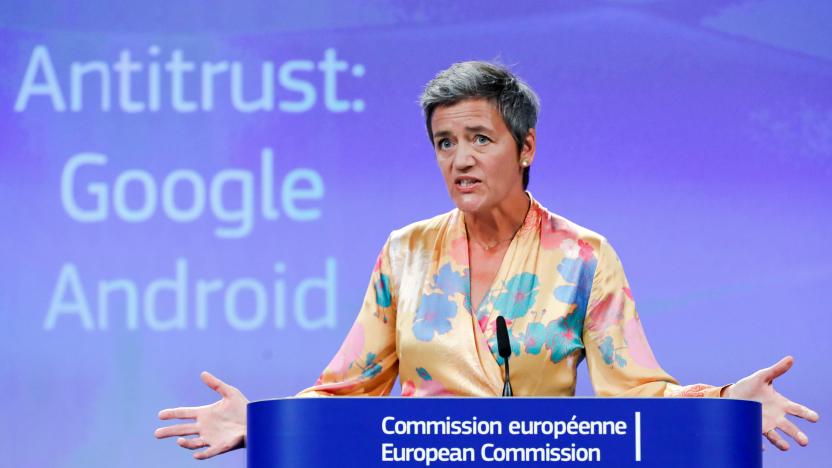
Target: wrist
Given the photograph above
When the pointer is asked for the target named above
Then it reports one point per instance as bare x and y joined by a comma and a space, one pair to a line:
726, 391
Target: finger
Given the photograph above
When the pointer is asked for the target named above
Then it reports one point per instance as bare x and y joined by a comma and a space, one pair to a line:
177, 430
776, 440
793, 431
192, 444
802, 412
178, 413
207, 453
778, 369
216, 384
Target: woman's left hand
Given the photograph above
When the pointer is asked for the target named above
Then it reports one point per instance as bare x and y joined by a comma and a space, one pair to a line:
759, 386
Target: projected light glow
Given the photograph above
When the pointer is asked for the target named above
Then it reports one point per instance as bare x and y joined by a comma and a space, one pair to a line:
183, 192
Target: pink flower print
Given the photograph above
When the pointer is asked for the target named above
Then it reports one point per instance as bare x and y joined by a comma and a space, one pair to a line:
586, 250
483, 323
606, 313
637, 344
351, 350
459, 251
432, 388
426, 386
408, 388
377, 266
553, 232
628, 293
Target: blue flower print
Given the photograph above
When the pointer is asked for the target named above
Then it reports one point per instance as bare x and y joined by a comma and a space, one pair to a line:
606, 349
576, 270
519, 296
563, 335
534, 338
609, 353
450, 282
382, 287
423, 373
570, 269
433, 316
371, 368
580, 272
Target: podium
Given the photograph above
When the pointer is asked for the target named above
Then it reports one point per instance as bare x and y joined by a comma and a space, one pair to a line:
522, 432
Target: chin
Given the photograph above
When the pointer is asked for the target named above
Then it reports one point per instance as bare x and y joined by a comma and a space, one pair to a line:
469, 203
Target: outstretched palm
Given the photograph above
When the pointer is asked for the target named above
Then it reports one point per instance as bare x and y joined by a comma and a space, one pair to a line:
759, 386
220, 426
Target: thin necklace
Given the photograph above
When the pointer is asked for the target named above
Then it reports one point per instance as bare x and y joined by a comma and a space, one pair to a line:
491, 246
488, 247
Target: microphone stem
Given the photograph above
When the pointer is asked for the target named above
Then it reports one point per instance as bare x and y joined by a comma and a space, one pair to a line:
507, 392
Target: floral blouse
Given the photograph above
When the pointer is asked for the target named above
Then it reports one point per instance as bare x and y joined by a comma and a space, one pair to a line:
561, 289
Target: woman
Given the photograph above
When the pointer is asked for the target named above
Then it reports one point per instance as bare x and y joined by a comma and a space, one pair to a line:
438, 286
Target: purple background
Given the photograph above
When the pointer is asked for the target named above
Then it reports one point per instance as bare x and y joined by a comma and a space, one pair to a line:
696, 136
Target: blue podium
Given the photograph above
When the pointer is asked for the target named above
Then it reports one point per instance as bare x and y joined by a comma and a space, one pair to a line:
599, 432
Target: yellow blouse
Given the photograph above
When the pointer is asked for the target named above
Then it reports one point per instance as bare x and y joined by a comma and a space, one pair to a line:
561, 289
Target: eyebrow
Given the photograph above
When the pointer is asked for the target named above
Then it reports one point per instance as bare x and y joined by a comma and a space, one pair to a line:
477, 129
474, 129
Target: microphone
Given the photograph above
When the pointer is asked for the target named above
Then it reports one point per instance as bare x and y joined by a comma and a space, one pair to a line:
504, 348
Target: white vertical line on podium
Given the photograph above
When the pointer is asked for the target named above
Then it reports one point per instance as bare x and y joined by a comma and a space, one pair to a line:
638, 436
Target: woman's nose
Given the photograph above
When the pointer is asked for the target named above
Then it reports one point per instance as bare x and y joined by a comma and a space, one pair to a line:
464, 156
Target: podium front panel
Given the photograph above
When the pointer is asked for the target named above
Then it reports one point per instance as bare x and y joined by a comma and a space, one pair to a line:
413, 432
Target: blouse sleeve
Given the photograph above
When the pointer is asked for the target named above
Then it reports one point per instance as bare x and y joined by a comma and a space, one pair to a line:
366, 363
619, 358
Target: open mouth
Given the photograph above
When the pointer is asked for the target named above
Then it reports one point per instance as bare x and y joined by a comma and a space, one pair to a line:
466, 182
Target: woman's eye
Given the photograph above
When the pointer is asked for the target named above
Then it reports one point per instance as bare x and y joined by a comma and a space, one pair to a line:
481, 139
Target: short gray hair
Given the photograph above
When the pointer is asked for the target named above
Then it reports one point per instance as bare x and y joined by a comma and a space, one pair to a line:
515, 100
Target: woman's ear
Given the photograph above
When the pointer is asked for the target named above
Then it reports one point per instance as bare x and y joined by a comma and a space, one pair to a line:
528, 149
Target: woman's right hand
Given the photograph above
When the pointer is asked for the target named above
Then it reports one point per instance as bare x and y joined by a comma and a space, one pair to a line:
220, 426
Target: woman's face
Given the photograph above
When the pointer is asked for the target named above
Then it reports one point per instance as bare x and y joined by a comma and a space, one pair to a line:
478, 156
